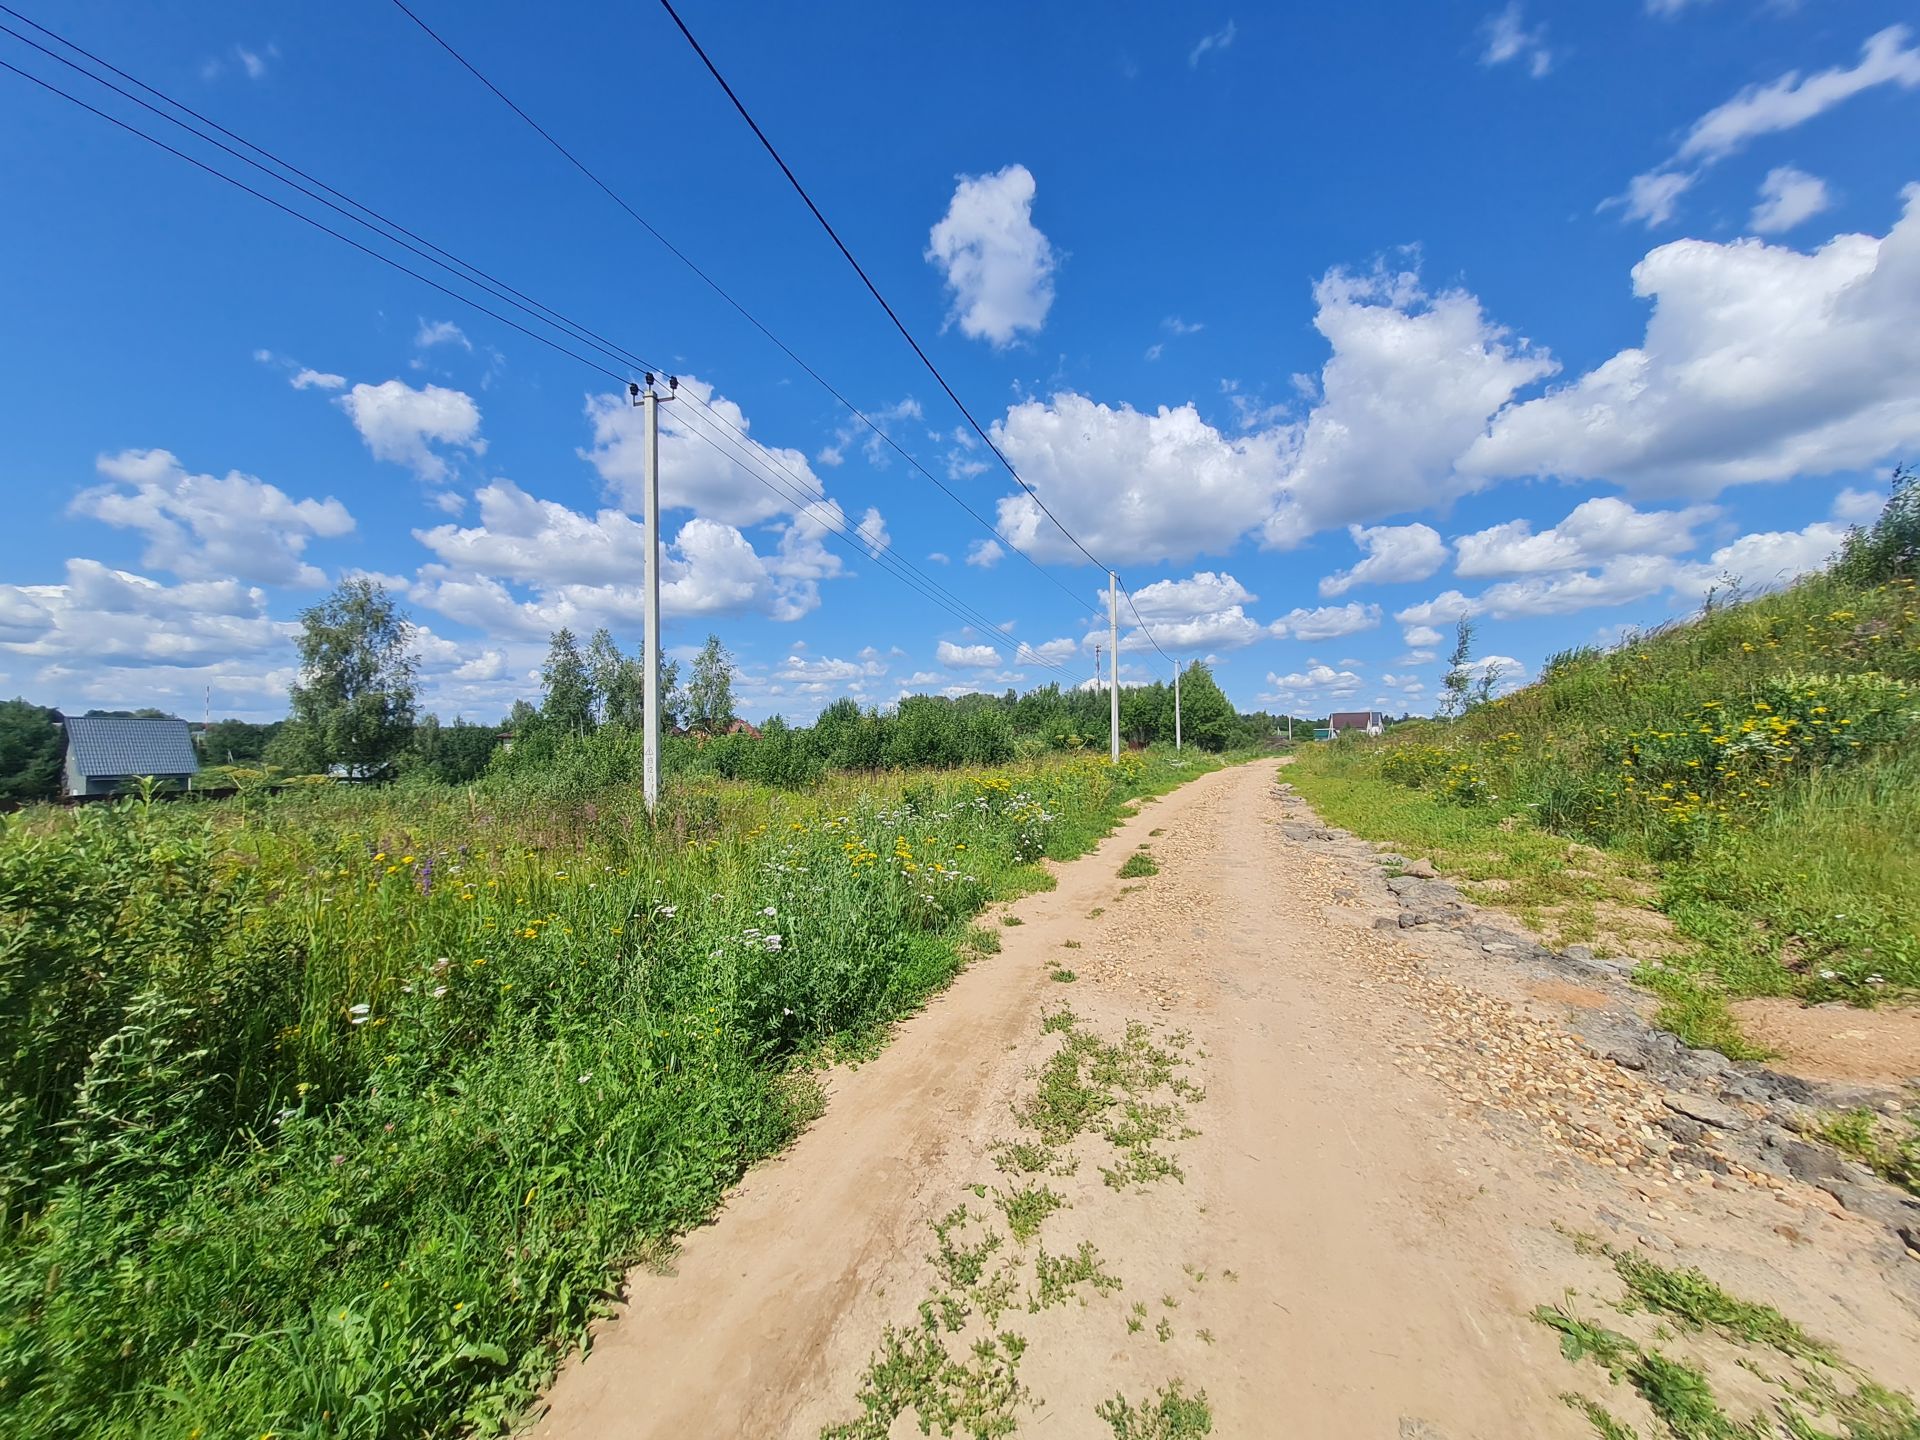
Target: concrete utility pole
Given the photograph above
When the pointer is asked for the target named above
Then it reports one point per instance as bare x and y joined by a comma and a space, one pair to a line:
1113, 644
1176, 706
650, 635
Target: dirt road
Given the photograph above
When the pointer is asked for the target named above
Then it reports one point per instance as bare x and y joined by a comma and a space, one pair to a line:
1333, 1171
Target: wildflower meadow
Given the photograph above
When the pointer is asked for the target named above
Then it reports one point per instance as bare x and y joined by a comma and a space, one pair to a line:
341, 1112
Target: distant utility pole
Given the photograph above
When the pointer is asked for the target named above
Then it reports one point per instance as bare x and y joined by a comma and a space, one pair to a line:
1176, 706
1113, 644
650, 635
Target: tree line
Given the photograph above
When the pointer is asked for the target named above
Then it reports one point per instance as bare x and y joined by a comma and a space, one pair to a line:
354, 712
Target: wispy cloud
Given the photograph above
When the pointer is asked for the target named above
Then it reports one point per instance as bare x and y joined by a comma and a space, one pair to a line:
1220, 39
1508, 38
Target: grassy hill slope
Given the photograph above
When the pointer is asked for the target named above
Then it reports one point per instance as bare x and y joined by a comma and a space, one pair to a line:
1758, 765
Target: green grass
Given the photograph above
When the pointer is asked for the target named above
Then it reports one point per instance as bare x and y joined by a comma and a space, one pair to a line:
1604, 1423
1171, 1414
1680, 1393
1751, 772
344, 1112
1138, 865
1056, 1277
1890, 1147
1027, 1209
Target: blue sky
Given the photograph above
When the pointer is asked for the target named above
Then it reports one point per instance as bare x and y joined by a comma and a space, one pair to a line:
1323, 329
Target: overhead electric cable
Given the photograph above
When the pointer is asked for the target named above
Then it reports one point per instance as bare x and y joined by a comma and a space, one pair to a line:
830, 525
879, 431
874, 290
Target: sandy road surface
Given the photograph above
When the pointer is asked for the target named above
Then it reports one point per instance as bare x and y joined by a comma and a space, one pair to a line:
1359, 1234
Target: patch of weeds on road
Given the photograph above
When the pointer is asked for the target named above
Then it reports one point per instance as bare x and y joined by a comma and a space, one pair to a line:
985, 941
1138, 866
1580, 1339
1027, 1209
959, 1262
1137, 1318
1156, 833
913, 1370
1032, 1157
1141, 1166
1171, 1414
1011, 920
1070, 944
1164, 1329
1891, 1154
1096, 912
1695, 1303
1604, 1423
1820, 1387
1055, 1277
1205, 1337
1063, 975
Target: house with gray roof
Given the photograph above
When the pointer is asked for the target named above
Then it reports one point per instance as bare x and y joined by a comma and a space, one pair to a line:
110, 753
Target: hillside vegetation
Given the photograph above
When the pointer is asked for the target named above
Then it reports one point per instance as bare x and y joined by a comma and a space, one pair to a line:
339, 1112
1760, 761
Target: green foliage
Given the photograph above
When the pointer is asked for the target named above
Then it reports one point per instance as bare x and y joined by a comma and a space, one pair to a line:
1057, 1276
236, 742
567, 706
1605, 1425
709, 692
403, 1078
1890, 549
353, 703
1456, 686
1689, 1298
1138, 865
1762, 755
1171, 1414
31, 752
1027, 1208
1891, 1148
450, 754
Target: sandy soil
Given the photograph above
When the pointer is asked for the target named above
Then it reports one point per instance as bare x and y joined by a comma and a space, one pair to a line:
1837, 1042
1381, 1189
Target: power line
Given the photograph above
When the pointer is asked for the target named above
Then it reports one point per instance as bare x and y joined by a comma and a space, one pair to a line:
1140, 620
874, 291
936, 594
860, 415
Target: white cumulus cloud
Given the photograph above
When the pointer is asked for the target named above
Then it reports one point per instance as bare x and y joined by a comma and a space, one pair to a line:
202, 527
1760, 362
704, 439
1328, 621
1393, 553
998, 265
402, 425
1787, 196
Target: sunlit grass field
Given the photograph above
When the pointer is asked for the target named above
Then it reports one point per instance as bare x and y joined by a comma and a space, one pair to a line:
341, 1112
1756, 768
